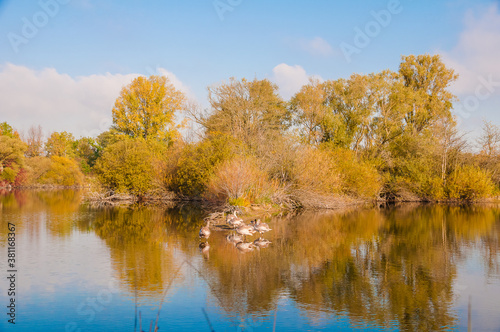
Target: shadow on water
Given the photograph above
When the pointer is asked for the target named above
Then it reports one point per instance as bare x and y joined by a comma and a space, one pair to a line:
389, 268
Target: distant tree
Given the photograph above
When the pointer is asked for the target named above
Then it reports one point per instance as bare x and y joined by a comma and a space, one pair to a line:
490, 139
146, 108
489, 157
60, 144
310, 111
7, 130
351, 107
34, 140
87, 152
250, 111
428, 78
109, 137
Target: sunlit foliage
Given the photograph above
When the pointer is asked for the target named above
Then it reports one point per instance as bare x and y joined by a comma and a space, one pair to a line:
12, 151
62, 171
127, 167
146, 108
60, 144
469, 183
197, 163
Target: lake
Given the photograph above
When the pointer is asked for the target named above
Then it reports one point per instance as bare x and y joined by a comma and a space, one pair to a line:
87, 268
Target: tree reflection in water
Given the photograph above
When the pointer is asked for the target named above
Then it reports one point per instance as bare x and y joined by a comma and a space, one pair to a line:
375, 266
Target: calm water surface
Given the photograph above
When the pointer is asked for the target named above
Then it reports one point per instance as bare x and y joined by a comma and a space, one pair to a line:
410, 268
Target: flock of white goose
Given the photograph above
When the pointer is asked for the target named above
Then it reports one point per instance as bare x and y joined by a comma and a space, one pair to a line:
242, 230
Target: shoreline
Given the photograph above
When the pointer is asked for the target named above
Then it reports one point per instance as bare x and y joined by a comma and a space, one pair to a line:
309, 202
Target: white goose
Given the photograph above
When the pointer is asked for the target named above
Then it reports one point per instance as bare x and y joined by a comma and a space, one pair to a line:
260, 226
234, 221
245, 230
205, 230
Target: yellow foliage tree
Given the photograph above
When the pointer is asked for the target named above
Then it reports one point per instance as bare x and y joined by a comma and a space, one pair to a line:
146, 108
11, 157
60, 144
470, 183
127, 166
63, 172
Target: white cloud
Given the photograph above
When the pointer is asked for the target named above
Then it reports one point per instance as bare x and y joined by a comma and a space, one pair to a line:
290, 79
316, 46
475, 59
477, 51
58, 102
177, 82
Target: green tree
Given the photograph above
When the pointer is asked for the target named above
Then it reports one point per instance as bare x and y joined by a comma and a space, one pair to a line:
127, 166
87, 152
7, 130
146, 108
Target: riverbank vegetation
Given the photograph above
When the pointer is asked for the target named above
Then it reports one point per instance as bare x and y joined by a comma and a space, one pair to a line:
388, 135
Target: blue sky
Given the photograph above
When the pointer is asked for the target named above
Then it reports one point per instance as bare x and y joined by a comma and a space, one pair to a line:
66, 72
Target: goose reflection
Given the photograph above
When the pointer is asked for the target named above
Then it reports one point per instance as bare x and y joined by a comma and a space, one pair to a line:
204, 248
261, 242
234, 238
245, 246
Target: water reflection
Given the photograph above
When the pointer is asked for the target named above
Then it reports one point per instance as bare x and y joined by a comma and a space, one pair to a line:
394, 267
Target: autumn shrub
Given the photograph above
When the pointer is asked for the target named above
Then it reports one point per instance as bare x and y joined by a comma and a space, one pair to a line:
358, 177
336, 171
127, 167
469, 183
241, 181
434, 189
9, 173
36, 167
197, 163
62, 172
316, 170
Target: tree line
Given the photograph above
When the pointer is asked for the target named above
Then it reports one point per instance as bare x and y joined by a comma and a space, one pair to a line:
389, 135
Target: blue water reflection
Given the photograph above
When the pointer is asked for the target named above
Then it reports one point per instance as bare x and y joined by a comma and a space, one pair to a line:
84, 268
